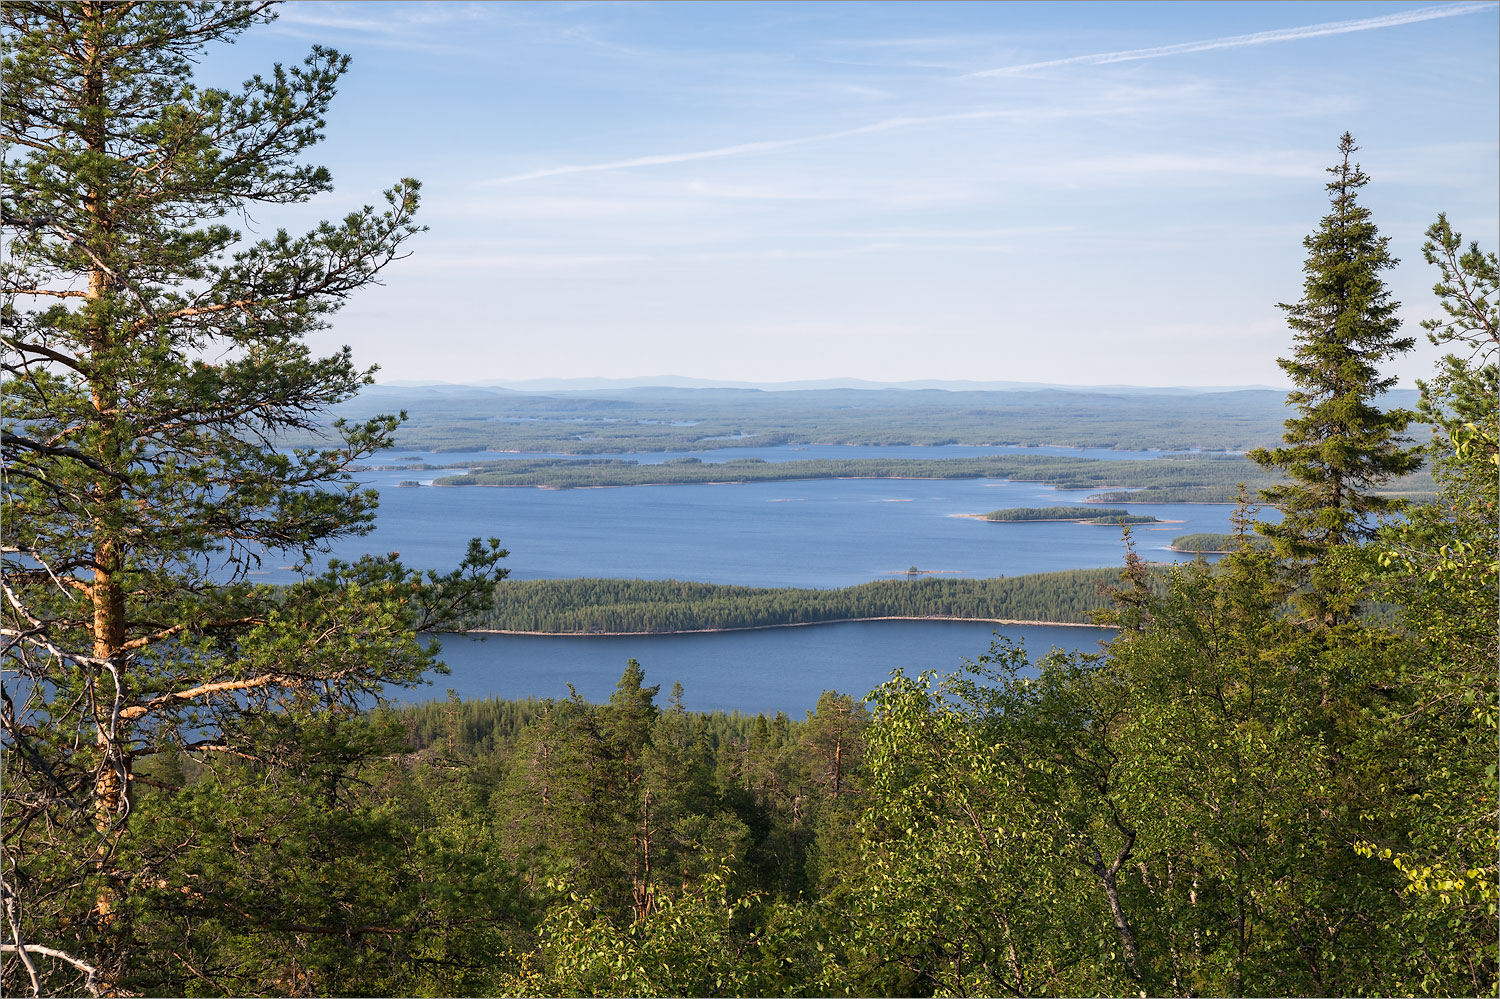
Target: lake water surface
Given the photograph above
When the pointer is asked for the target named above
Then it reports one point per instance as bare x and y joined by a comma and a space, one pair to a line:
774, 669
814, 533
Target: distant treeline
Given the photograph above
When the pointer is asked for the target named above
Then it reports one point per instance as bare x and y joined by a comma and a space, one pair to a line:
1081, 514
1045, 513
1064, 472
1417, 487
1222, 493
466, 418
582, 606
1213, 542
1188, 479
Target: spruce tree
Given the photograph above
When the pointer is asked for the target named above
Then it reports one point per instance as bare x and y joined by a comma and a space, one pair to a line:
1339, 446
154, 358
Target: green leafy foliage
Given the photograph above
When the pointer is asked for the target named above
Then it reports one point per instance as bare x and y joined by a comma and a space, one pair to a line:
204, 796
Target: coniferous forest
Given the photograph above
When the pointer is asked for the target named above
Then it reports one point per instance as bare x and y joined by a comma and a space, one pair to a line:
1279, 779
583, 606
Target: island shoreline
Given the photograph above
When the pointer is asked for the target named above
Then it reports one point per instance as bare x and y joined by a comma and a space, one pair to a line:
1061, 520
785, 624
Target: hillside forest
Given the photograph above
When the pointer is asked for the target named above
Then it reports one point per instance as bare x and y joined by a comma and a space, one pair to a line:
1278, 779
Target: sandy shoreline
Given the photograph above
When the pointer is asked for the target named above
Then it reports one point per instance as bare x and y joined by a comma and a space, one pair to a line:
766, 627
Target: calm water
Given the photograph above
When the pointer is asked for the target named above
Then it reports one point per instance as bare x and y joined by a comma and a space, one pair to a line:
821, 533
818, 533
792, 452
777, 669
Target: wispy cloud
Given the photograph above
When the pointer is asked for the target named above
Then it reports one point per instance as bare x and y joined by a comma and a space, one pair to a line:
751, 147
427, 28
860, 90
393, 19
920, 42
523, 261
767, 192
1243, 41
545, 262
1004, 232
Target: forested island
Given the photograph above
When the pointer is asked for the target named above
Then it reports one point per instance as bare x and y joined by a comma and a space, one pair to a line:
1082, 514
1257, 788
639, 606
1203, 476
1212, 544
1174, 479
1035, 514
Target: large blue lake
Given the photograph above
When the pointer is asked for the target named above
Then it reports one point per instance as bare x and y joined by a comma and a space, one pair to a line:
775, 669
819, 533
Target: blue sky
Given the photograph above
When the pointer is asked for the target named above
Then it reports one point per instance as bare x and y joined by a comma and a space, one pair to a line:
1076, 193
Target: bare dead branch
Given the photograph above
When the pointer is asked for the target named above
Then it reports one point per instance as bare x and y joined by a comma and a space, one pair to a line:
91, 973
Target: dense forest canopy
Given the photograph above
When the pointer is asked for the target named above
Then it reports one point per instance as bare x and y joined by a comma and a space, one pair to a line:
656, 606
1261, 787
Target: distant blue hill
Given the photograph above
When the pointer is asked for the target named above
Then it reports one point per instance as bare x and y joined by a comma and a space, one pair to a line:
682, 382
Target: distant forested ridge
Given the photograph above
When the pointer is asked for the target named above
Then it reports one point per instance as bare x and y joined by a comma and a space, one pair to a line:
1175, 479
1219, 472
473, 418
600, 606
1417, 487
1278, 778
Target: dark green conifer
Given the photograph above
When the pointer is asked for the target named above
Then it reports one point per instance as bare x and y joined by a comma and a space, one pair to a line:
1340, 446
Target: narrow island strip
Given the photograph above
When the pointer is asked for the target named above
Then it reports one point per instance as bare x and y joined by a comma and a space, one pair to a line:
667, 606
788, 624
1189, 479
1065, 515
1200, 479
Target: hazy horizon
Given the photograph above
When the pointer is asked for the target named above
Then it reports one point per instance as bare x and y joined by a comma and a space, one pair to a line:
1092, 194
686, 381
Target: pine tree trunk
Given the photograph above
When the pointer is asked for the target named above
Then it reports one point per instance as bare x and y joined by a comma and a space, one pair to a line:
107, 590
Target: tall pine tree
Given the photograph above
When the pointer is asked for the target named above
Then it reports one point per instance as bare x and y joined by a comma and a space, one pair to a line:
154, 358
1340, 446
